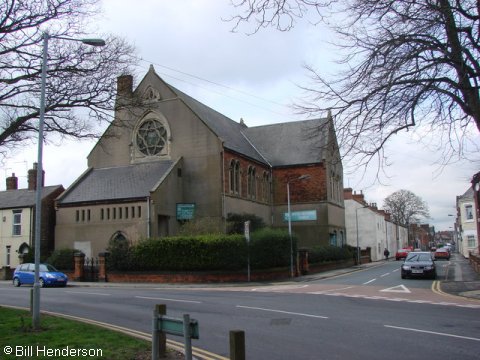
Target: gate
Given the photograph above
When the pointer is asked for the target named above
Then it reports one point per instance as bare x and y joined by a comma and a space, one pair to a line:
90, 269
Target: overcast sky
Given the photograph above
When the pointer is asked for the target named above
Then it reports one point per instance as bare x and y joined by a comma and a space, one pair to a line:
251, 77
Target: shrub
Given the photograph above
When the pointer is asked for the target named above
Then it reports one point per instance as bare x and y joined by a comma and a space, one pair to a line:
236, 223
62, 259
120, 254
187, 253
270, 248
320, 254
201, 226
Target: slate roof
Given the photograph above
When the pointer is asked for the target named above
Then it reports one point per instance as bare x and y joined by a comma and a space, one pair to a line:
116, 183
291, 143
23, 198
282, 144
225, 128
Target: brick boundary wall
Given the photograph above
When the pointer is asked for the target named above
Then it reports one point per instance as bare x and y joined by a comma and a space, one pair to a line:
212, 277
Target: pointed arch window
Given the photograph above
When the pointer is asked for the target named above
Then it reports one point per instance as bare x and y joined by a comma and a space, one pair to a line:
265, 186
234, 177
251, 183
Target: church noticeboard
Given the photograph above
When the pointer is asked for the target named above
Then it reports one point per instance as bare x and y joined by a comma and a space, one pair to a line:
185, 211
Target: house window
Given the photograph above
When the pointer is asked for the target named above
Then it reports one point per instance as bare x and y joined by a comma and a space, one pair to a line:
126, 212
251, 183
17, 222
139, 212
102, 214
469, 212
471, 241
77, 215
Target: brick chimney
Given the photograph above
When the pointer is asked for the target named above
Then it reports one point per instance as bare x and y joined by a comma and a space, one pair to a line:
12, 182
125, 86
348, 193
32, 177
359, 197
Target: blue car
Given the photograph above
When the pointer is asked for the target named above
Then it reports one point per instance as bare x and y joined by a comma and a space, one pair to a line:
48, 275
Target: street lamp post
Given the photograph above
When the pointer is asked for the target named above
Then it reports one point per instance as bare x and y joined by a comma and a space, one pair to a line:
39, 185
302, 177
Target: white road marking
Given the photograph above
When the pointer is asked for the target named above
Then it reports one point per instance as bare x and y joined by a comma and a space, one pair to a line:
432, 332
167, 299
88, 293
282, 312
326, 291
397, 289
369, 281
280, 288
385, 274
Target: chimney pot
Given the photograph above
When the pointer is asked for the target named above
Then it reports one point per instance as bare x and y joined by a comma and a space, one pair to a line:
12, 182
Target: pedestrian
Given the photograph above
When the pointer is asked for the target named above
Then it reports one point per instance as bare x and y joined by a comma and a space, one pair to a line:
386, 253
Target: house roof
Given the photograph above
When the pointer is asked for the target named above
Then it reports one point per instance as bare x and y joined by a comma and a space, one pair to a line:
291, 143
23, 198
116, 183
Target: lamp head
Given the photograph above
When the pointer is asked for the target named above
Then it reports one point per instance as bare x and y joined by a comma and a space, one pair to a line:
94, 42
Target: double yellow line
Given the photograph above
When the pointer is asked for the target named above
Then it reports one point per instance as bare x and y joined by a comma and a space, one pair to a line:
198, 353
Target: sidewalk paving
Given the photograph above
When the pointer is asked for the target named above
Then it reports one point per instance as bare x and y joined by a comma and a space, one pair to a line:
461, 279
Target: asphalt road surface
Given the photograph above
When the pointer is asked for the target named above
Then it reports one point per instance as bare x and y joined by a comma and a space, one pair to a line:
369, 314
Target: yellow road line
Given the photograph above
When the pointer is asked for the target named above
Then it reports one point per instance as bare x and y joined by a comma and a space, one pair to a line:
199, 353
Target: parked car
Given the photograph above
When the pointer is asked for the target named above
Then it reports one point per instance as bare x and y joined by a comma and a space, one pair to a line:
48, 275
419, 264
442, 253
401, 254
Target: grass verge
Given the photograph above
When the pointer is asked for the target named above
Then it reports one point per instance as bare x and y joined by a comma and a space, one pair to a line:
61, 338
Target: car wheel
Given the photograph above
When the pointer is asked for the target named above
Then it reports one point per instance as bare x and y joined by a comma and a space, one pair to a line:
41, 282
404, 276
16, 282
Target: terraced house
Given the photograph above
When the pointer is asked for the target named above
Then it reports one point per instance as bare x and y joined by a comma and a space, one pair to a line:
167, 158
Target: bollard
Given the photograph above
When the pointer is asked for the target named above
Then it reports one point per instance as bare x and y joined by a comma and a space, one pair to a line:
237, 345
159, 338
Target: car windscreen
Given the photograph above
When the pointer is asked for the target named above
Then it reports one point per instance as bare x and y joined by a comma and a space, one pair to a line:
419, 257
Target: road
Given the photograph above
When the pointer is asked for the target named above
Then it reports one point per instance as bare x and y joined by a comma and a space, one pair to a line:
368, 314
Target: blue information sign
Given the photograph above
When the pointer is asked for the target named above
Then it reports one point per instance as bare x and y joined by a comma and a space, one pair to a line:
307, 215
185, 211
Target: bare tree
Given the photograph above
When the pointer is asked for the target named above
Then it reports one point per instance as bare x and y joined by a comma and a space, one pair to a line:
406, 65
78, 76
406, 208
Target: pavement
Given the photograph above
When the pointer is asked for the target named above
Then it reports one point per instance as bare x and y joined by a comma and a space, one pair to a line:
460, 279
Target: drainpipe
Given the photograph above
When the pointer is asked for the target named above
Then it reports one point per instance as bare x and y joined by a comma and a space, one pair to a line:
148, 217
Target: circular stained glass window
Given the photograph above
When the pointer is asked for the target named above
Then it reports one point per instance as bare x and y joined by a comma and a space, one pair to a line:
151, 137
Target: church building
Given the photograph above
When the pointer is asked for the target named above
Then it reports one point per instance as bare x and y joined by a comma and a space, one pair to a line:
167, 158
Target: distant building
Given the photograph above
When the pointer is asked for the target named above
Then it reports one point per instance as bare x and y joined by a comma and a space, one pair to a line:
17, 219
370, 227
476, 198
467, 223
167, 158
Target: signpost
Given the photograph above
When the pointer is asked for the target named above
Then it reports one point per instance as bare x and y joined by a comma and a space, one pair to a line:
186, 327
247, 237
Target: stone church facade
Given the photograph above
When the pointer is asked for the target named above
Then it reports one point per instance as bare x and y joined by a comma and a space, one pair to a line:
167, 158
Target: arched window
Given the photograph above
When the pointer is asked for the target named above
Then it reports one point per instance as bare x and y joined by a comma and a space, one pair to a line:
251, 183
265, 186
234, 176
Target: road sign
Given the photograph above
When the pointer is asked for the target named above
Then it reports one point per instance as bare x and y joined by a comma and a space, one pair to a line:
174, 326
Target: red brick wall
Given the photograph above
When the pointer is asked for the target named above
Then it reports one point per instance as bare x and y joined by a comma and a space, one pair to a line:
244, 164
307, 190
